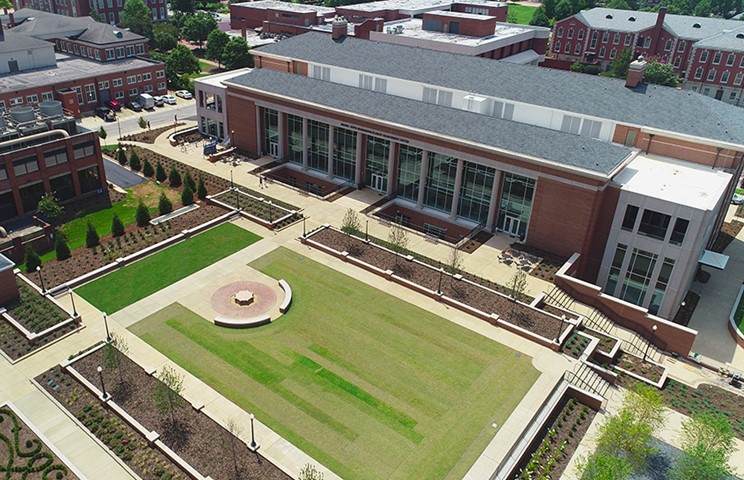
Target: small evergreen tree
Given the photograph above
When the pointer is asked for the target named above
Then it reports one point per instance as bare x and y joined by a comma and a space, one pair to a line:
49, 206
147, 169
142, 123
91, 236
134, 160
103, 134
142, 215
61, 249
174, 177
164, 205
160, 173
188, 180
117, 227
201, 189
31, 259
121, 156
187, 196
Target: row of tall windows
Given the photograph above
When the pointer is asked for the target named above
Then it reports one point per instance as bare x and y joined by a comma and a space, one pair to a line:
655, 224
637, 277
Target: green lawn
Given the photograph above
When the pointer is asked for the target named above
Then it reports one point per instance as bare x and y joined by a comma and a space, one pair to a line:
369, 385
522, 13
134, 282
739, 315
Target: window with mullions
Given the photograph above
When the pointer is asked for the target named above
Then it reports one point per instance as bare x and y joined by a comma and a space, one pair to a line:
409, 172
640, 269
654, 224
439, 188
679, 231
475, 192
617, 265
317, 151
56, 157
376, 167
294, 138
25, 165
516, 203
661, 284
344, 153
271, 128
629, 220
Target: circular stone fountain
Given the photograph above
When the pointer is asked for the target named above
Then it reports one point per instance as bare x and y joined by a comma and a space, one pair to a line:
244, 298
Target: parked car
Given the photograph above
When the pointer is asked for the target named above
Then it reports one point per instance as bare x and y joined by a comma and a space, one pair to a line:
169, 99
106, 114
134, 106
159, 101
215, 15
184, 94
737, 199
114, 105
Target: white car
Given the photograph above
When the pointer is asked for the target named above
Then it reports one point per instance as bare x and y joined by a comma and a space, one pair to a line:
215, 15
169, 99
184, 94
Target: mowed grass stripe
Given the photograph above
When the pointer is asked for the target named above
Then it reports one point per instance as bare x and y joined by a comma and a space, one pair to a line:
141, 279
473, 380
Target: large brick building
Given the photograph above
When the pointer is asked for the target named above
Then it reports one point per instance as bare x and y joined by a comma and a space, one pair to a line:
108, 10
77, 61
708, 53
630, 178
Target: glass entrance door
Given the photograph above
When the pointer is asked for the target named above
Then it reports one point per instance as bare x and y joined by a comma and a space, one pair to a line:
378, 182
274, 149
511, 225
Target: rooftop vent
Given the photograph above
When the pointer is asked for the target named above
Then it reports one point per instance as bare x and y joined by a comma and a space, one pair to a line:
695, 25
608, 16
740, 35
631, 19
117, 33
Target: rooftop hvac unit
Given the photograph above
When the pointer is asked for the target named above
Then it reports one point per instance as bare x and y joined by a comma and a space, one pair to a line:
475, 104
50, 108
22, 114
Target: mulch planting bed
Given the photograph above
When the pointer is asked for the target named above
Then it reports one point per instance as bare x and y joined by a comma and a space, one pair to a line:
606, 344
688, 401
257, 208
728, 232
575, 345
24, 455
84, 260
15, 345
148, 136
120, 438
636, 365
34, 311
685, 312
467, 293
548, 266
479, 239
199, 440
559, 442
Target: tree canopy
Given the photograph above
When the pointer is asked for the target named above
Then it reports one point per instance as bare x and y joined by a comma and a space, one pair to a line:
181, 60
137, 17
185, 6
619, 66
660, 74
707, 444
540, 19
165, 36
216, 42
237, 54
196, 27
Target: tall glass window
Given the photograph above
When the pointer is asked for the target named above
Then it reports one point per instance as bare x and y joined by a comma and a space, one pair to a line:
376, 170
440, 182
409, 172
344, 153
271, 128
640, 269
661, 284
617, 265
516, 204
475, 192
294, 138
317, 151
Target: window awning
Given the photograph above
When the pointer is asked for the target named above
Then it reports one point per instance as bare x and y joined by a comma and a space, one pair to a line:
713, 259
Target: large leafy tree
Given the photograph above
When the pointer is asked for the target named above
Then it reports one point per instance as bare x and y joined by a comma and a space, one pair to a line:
137, 17
237, 54
563, 9
165, 36
216, 42
185, 6
707, 444
178, 62
5, 5
660, 74
619, 66
197, 27
540, 19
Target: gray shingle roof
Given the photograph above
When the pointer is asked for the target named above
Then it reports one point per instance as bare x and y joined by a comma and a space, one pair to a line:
731, 40
45, 25
559, 147
665, 108
15, 42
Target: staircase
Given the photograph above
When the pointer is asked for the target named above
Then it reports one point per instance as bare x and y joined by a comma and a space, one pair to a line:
582, 376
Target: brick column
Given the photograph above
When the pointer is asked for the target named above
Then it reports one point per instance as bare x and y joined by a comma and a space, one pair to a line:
456, 193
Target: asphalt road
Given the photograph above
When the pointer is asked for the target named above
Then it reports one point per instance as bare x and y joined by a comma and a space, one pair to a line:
128, 121
119, 175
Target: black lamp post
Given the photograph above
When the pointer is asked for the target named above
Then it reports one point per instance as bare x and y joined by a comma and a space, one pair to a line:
72, 300
175, 123
118, 125
253, 446
304, 234
366, 231
103, 385
105, 324
41, 279
648, 345
439, 287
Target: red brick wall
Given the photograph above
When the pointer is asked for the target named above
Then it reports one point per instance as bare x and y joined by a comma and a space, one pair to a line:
273, 63
292, 18
353, 15
251, 17
8, 287
594, 246
243, 113
481, 27
499, 11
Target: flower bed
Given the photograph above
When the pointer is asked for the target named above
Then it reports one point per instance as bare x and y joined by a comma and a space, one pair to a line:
148, 136
24, 455
258, 207
635, 365
84, 260
560, 439
106, 426
32, 310
199, 440
689, 401
575, 345
474, 296
606, 344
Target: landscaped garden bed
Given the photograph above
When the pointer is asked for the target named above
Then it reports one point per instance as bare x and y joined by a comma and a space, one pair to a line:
627, 363
15, 345
279, 217
24, 455
84, 260
689, 401
32, 310
195, 437
148, 136
551, 455
131, 447
575, 345
472, 295
547, 267
606, 343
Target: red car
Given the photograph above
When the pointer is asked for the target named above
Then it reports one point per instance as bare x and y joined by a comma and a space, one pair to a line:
114, 105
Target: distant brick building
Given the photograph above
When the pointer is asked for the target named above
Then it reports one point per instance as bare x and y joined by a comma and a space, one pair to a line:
108, 10
708, 53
